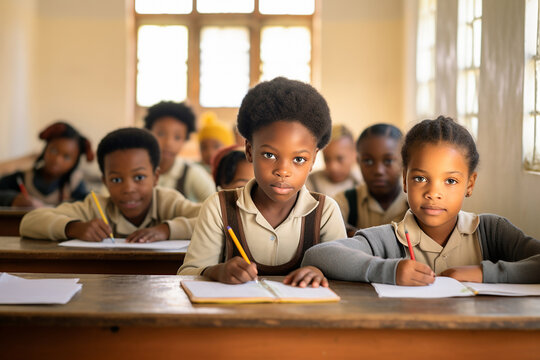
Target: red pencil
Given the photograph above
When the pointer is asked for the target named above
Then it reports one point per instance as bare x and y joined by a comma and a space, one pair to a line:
409, 244
22, 187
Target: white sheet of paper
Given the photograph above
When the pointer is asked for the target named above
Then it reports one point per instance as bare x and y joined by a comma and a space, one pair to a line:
16, 290
286, 291
441, 288
122, 244
505, 289
217, 290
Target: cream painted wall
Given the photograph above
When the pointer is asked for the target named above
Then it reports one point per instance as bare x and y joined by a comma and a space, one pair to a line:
17, 40
81, 68
362, 72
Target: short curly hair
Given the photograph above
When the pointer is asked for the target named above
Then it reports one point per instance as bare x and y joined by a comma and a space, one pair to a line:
442, 129
282, 99
179, 111
125, 139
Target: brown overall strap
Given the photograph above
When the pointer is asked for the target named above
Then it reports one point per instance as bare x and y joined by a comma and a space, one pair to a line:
181, 182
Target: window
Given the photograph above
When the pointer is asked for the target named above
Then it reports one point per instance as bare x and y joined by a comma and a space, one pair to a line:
531, 97
210, 52
468, 58
425, 59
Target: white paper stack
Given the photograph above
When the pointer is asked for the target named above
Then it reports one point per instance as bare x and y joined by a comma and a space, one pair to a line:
179, 245
16, 290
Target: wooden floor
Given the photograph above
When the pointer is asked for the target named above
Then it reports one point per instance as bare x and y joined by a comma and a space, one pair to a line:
143, 317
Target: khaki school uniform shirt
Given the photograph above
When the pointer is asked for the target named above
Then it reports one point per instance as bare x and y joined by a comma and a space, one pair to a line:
198, 185
370, 213
318, 181
462, 248
168, 206
268, 246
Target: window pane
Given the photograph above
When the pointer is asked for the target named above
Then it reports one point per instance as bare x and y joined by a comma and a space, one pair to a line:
286, 51
162, 64
477, 41
163, 6
291, 7
224, 78
229, 6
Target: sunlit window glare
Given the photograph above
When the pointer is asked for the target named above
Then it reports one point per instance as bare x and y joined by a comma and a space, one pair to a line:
229, 6
531, 93
468, 59
286, 51
289, 7
425, 59
163, 6
162, 53
224, 74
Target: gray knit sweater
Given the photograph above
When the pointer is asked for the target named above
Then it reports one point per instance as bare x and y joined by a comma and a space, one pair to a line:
372, 255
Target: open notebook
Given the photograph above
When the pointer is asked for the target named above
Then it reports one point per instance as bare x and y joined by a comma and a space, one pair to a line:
449, 287
254, 292
122, 244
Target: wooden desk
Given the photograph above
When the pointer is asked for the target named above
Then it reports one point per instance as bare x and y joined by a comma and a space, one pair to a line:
10, 218
45, 256
137, 317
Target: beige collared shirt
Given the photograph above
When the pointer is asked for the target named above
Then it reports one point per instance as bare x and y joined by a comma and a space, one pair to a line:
318, 181
198, 185
268, 246
462, 248
370, 213
168, 206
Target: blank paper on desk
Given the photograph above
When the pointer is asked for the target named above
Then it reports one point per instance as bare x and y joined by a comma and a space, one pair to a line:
180, 245
16, 290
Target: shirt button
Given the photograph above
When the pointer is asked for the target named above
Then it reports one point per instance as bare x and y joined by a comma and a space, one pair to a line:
272, 238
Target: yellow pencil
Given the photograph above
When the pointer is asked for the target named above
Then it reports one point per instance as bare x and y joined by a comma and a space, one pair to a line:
101, 212
237, 243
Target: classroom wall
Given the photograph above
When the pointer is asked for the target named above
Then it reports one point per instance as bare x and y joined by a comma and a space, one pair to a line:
17, 41
503, 187
362, 73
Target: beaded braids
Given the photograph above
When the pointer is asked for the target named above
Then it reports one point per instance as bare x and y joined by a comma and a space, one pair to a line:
442, 129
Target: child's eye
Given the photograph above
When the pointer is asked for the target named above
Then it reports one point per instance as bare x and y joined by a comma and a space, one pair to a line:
451, 181
139, 177
177, 138
67, 157
269, 155
388, 162
116, 180
419, 179
367, 162
299, 160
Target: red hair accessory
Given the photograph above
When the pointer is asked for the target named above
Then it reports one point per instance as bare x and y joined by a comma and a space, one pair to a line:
53, 130
220, 155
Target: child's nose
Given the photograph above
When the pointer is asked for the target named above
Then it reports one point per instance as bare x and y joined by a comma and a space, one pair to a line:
282, 169
129, 186
433, 192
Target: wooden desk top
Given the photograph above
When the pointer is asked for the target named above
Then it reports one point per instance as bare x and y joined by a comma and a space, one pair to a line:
8, 211
15, 248
158, 301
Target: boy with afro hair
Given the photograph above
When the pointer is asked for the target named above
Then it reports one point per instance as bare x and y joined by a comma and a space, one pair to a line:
172, 123
276, 219
136, 209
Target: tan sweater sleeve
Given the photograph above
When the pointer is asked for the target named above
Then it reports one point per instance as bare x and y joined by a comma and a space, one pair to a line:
199, 184
207, 241
50, 223
177, 212
332, 225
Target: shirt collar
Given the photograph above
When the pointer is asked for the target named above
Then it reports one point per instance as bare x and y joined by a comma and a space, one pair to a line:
467, 224
119, 219
305, 203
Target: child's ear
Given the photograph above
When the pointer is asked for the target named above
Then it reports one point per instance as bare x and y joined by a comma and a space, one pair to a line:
470, 184
405, 180
156, 175
249, 152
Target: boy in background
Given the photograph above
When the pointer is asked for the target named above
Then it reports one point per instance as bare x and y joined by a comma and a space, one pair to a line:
136, 209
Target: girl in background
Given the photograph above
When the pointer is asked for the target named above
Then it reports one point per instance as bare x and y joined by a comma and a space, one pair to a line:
231, 169
53, 178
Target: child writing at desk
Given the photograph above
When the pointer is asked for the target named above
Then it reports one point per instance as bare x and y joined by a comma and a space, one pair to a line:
276, 218
136, 209
440, 159
54, 178
380, 199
